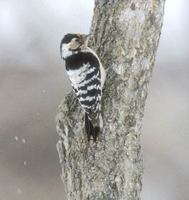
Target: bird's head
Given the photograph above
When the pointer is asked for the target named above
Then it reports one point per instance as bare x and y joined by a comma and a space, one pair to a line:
73, 43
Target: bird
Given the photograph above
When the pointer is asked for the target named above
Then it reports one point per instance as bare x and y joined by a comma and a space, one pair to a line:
87, 77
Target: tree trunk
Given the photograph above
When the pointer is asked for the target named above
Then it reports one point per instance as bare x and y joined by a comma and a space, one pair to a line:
125, 35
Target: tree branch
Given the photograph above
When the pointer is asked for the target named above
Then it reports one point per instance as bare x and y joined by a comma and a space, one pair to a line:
125, 36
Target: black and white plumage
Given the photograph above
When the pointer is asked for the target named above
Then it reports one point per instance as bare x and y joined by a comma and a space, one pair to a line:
87, 77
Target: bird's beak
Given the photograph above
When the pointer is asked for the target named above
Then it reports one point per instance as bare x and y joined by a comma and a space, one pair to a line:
86, 37
83, 38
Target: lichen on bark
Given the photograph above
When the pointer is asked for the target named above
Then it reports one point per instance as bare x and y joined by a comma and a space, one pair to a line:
125, 35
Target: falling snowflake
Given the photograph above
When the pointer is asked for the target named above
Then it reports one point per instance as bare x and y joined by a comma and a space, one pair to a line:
19, 191
23, 141
16, 138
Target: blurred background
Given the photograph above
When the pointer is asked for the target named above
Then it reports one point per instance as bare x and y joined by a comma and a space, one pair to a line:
33, 83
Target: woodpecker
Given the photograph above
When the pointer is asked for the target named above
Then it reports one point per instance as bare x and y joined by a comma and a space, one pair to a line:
87, 77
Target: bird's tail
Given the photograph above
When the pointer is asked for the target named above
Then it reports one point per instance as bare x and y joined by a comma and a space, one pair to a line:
93, 129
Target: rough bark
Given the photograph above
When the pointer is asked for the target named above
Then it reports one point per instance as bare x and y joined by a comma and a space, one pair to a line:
125, 34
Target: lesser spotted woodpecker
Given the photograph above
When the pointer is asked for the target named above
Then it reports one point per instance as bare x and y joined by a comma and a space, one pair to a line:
87, 77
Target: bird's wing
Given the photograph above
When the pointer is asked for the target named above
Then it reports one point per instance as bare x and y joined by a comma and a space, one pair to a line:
89, 91
84, 73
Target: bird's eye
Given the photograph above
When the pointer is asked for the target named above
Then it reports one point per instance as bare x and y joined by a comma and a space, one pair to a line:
77, 39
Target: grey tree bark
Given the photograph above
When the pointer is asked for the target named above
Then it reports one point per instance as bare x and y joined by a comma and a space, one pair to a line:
125, 35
